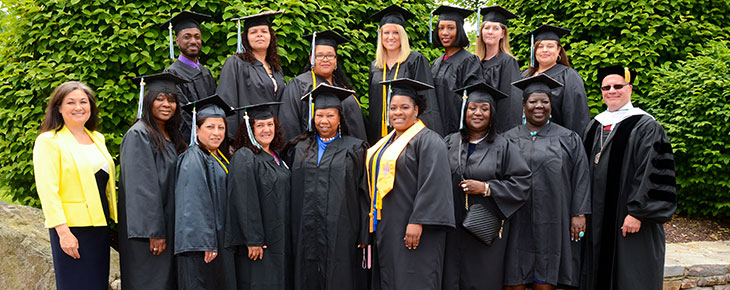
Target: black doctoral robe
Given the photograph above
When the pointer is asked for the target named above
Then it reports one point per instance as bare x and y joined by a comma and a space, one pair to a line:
242, 83
294, 115
500, 72
414, 67
258, 215
420, 195
200, 85
456, 72
539, 247
470, 264
329, 214
635, 176
200, 204
569, 102
146, 210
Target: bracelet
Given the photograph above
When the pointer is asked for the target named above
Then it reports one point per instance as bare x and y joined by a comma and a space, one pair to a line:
486, 189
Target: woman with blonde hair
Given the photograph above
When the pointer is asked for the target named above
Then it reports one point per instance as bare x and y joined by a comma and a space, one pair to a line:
394, 59
499, 67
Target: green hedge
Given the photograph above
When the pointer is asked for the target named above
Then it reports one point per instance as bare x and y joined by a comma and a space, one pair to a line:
104, 43
692, 98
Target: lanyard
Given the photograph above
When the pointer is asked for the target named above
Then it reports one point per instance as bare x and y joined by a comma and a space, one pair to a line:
219, 161
386, 101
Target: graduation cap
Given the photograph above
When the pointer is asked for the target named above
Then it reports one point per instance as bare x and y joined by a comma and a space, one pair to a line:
261, 111
325, 96
628, 74
182, 20
393, 14
161, 82
451, 13
494, 14
404, 87
545, 32
326, 37
541, 83
478, 93
263, 18
210, 107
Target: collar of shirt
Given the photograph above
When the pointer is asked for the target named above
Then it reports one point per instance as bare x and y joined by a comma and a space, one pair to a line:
610, 118
189, 62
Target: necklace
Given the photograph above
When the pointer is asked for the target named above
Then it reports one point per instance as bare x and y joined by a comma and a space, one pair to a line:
325, 140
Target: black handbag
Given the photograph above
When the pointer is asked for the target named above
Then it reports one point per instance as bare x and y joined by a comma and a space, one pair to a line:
481, 222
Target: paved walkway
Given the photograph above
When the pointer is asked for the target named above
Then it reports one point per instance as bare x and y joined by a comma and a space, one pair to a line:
705, 265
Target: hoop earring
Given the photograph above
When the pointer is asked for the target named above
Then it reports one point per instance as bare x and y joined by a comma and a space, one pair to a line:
559, 57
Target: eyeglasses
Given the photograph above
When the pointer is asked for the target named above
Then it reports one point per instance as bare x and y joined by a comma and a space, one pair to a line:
325, 57
615, 87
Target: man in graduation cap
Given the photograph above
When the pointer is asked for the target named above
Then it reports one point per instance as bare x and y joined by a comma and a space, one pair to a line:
634, 190
201, 84
323, 67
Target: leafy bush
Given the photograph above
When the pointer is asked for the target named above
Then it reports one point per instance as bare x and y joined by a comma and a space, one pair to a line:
691, 98
104, 43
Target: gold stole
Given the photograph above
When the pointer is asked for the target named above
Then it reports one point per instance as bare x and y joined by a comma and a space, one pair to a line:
382, 182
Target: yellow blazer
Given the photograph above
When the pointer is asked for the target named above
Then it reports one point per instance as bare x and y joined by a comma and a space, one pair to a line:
65, 181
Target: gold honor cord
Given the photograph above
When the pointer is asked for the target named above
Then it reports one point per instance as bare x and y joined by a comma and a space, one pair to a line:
219, 161
384, 115
311, 102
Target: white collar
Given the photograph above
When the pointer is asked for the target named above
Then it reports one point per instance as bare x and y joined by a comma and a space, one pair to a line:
610, 118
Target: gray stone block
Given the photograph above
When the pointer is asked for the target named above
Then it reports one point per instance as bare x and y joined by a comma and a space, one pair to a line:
674, 271
708, 270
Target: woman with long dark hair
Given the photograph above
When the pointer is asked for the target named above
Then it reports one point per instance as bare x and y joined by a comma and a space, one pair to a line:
200, 201
488, 170
258, 226
323, 67
148, 160
329, 199
74, 176
253, 75
569, 102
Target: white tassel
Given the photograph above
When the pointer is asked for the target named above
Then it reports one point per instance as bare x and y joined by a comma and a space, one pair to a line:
169, 37
239, 43
193, 132
463, 107
250, 132
141, 96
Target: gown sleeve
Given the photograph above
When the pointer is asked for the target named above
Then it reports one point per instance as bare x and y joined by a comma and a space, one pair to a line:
290, 111
363, 194
576, 114
195, 228
511, 188
140, 181
229, 92
353, 116
434, 203
580, 186
245, 223
471, 71
422, 73
653, 190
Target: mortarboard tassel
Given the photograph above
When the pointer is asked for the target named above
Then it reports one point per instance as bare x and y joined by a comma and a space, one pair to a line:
169, 37
463, 106
250, 132
430, 27
532, 50
309, 108
193, 132
239, 44
479, 24
627, 75
387, 108
141, 96
311, 55
310, 105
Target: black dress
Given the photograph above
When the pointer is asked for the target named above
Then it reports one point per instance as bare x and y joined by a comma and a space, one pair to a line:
449, 74
201, 85
258, 215
146, 210
329, 214
500, 72
414, 67
294, 115
539, 247
242, 83
469, 263
200, 204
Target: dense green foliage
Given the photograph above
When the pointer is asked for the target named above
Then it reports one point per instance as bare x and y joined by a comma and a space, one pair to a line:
104, 43
691, 97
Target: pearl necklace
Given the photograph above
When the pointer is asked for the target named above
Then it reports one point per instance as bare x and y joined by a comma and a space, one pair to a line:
325, 140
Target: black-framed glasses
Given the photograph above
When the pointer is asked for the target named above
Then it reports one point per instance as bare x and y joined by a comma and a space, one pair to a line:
325, 56
615, 87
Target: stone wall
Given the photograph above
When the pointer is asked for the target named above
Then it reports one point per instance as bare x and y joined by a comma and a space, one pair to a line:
25, 249
697, 266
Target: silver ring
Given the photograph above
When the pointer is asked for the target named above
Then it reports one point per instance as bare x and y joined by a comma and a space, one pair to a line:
154, 249
215, 254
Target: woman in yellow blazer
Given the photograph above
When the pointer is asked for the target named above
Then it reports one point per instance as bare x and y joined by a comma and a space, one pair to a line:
74, 176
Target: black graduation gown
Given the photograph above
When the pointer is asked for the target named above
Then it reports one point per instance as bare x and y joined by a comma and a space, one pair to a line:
414, 67
329, 214
146, 210
469, 263
456, 72
539, 246
635, 176
419, 196
258, 215
200, 204
201, 85
569, 102
242, 83
500, 71
294, 115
